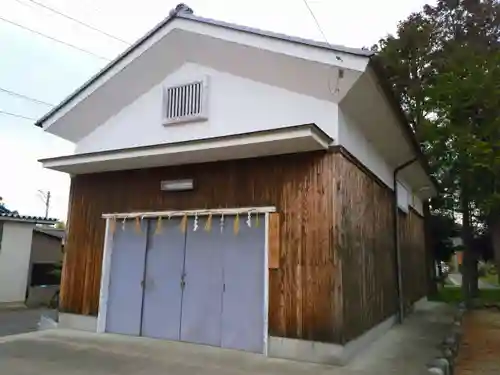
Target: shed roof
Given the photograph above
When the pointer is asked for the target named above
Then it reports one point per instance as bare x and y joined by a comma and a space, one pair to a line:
52, 232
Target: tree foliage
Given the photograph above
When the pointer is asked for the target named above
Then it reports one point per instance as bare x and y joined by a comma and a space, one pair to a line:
443, 229
60, 225
444, 66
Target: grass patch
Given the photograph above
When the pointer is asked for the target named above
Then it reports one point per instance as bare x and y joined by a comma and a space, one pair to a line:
490, 279
450, 294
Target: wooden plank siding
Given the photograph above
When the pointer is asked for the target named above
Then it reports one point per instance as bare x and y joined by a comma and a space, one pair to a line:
413, 257
274, 241
303, 291
365, 246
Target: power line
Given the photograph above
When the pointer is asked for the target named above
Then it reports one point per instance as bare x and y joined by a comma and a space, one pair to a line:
54, 39
316, 20
25, 97
75, 20
340, 71
16, 115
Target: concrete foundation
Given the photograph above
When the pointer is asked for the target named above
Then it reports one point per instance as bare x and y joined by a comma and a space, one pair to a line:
279, 347
79, 322
335, 354
320, 352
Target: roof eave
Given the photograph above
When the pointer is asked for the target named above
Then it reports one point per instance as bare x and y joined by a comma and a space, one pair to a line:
379, 71
52, 235
268, 34
28, 220
103, 71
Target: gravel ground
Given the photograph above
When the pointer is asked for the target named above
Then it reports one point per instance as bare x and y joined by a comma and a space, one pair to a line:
480, 350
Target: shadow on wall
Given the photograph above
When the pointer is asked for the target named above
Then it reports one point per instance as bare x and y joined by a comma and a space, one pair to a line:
44, 284
41, 295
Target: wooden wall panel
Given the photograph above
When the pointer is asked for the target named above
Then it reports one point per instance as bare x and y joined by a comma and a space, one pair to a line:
304, 293
365, 246
273, 257
365, 228
413, 257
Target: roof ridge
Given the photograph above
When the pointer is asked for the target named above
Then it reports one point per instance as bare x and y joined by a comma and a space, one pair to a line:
274, 34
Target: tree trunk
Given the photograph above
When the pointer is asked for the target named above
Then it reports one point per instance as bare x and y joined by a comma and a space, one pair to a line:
474, 280
468, 273
494, 227
432, 288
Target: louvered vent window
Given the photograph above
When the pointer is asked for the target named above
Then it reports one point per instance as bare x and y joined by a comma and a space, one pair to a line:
185, 103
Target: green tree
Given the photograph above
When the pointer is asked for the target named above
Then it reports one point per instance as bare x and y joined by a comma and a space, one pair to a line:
452, 51
405, 58
60, 225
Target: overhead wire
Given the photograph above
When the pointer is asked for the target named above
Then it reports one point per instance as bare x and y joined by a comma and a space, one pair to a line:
13, 93
54, 39
17, 115
41, 5
316, 21
340, 72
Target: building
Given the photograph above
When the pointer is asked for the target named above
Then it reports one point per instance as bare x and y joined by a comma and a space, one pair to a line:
19, 244
235, 187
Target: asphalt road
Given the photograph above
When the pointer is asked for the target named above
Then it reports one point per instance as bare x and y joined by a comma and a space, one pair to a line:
17, 321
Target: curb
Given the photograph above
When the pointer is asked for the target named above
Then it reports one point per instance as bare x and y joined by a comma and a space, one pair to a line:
444, 364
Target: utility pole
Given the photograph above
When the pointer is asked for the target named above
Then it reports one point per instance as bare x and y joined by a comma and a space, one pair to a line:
45, 197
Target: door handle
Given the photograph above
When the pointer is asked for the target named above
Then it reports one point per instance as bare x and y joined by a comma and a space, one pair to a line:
142, 284
183, 280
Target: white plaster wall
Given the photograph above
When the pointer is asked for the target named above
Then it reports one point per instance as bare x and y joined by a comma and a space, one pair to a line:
352, 138
236, 105
15, 252
417, 204
404, 196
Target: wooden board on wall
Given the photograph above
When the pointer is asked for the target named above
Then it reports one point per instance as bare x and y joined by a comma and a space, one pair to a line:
274, 241
304, 292
366, 247
413, 256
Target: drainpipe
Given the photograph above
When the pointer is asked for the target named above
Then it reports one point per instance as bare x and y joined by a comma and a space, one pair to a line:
400, 294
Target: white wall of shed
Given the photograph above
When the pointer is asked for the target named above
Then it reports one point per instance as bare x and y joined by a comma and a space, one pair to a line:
353, 140
15, 252
236, 105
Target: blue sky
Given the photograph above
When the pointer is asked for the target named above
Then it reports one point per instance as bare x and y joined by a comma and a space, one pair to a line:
49, 71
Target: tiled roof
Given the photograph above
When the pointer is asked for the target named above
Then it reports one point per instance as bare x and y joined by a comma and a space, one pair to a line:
16, 217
